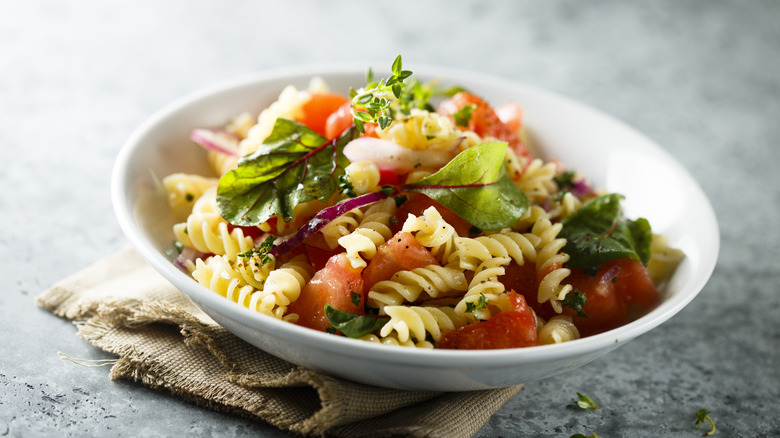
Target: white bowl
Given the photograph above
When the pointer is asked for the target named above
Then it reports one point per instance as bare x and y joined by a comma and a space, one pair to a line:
612, 155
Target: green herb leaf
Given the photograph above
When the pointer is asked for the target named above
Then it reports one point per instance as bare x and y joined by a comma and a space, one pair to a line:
597, 233
576, 301
354, 297
476, 187
351, 325
261, 250
463, 116
703, 415
586, 402
294, 165
480, 304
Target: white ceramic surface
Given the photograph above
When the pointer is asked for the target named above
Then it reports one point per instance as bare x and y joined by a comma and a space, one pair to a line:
612, 155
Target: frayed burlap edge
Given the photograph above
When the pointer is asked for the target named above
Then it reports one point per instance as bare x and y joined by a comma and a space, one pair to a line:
234, 377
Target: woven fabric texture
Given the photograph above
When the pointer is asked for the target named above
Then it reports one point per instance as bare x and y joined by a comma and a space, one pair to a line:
162, 340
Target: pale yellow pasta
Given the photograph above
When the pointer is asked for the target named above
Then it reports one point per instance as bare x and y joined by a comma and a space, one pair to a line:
432, 281
663, 260
373, 230
432, 231
216, 274
419, 173
559, 328
341, 226
564, 207
183, 189
253, 270
484, 286
364, 176
207, 232
470, 252
536, 180
282, 287
552, 288
423, 130
419, 322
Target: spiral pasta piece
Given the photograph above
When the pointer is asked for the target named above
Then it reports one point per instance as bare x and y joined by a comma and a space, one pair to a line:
363, 175
361, 244
433, 232
484, 285
564, 207
206, 231
422, 130
418, 322
253, 270
216, 274
341, 226
282, 287
558, 329
183, 189
432, 281
471, 252
536, 180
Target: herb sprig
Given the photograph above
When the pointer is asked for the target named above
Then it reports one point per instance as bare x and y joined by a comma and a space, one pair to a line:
373, 103
703, 415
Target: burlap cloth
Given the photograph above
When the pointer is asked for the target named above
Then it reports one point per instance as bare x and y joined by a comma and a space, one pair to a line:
121, 305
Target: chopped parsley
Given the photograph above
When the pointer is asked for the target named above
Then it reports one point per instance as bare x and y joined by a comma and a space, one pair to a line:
480, 304
576, 301
261, 250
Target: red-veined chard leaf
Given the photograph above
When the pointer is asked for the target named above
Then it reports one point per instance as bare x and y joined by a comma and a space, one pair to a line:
476, 187
598, 233
294, 165
352, 325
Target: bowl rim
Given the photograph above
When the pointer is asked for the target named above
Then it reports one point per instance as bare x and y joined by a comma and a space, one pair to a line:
349, 347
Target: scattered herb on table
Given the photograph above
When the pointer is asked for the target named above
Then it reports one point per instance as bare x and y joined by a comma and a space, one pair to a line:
585, 402
703, 415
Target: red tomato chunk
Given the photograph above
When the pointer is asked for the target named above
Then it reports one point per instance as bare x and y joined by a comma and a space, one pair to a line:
334, 284
511, 329
620, 291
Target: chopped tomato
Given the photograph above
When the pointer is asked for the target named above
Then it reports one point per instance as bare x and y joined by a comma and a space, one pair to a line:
484, 121
388, 177
338, 121
318, 109
525, 279
511, 329
341, 119
334, 284
400, 252
511, 115
620, 291
417, 203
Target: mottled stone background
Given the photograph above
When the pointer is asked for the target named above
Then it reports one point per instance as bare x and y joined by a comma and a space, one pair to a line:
702, 78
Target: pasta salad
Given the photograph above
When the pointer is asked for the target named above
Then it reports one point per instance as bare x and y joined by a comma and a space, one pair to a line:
407, 213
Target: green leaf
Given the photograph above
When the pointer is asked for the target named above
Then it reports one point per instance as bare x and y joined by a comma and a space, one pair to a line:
480, 304
597, 233
397, 65
294, 165
463, 116
476, 187
576, 301
703, 415
586, 402
352, 325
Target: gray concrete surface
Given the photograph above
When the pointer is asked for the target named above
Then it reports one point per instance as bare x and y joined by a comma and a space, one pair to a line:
700, 78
